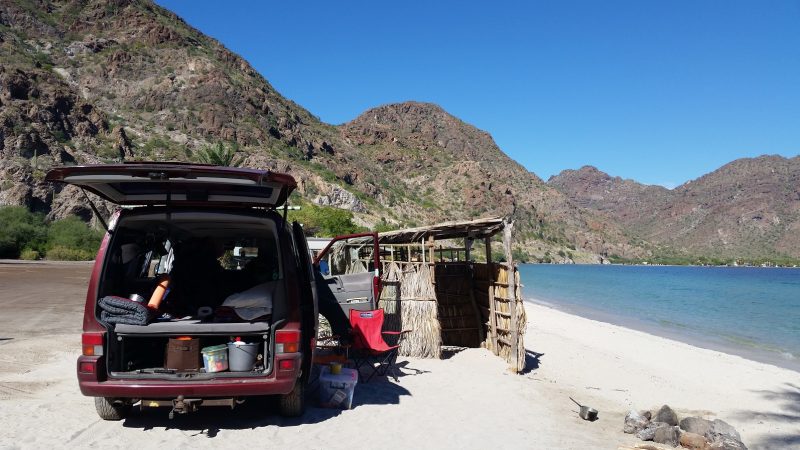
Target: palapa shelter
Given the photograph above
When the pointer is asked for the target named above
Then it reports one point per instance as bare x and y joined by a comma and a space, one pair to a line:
433, 286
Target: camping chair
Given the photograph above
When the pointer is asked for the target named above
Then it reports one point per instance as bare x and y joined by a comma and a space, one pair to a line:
368, 346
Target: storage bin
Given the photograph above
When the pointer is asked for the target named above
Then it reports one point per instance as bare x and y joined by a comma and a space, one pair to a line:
215, 358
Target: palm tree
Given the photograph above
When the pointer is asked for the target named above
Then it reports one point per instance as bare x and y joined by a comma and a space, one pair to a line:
219, 155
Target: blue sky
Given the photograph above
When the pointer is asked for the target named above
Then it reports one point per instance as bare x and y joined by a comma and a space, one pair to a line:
661, 92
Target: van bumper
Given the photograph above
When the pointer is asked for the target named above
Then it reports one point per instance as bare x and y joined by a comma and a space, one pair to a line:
278, 382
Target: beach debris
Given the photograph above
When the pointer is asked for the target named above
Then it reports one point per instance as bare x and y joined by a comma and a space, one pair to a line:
694, 433
693, 441
727, 443
666, 414
716, 432
668, 435
696, 425
648, 446
649, 431
634, 421
586, 413
720, 428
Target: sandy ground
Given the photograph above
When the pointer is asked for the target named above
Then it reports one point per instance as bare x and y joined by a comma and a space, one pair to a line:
467, 400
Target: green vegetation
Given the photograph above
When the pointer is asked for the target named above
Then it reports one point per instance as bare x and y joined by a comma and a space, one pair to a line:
27, 235
325, 221
219, 155
383, 226
72, 239
20, 230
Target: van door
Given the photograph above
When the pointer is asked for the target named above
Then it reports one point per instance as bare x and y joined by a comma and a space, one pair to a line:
308, 301
350, 266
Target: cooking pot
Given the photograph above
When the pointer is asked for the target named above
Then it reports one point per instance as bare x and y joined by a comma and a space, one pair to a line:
586, 413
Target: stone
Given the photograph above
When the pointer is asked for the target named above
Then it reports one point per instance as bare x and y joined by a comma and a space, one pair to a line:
696, 425
646, 414
693, 441
634, 422
649, 431
722, 428
666, 414
667, 435
727, 443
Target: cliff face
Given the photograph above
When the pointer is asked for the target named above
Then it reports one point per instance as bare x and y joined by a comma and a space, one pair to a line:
749, 208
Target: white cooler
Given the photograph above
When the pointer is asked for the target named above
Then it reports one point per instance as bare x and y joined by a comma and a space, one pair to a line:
336, 391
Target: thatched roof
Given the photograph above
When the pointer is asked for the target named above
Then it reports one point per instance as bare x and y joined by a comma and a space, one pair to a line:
476, 229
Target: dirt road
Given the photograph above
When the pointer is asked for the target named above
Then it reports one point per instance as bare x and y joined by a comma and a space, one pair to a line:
42, 298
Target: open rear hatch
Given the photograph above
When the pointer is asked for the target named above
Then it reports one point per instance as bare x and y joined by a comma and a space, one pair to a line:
178, 184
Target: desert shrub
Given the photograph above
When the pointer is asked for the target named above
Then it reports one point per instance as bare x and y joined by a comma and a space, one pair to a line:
19, 229
29, 254
61, 253
219, 155
72, 234
324, 221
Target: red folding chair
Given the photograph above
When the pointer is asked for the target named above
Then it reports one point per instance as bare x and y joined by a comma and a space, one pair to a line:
369, 348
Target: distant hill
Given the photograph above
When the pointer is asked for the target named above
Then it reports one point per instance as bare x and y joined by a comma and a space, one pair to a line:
749, 208
102, 81
85, 82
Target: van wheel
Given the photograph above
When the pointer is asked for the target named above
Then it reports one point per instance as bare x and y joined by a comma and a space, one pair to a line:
112, 409
293, 404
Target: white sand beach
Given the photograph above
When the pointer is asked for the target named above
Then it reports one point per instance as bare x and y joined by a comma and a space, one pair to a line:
468, 400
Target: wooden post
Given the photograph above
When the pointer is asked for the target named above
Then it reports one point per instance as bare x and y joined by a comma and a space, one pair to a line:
432, 259
512, 295
492, 315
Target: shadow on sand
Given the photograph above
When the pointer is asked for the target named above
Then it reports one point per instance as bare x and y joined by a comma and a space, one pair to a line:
260, 412
789, 413
531, 361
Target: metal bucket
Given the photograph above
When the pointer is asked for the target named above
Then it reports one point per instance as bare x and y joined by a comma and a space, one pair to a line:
242, 356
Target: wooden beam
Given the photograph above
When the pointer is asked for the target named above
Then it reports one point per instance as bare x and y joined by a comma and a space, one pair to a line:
488, 242
492, 315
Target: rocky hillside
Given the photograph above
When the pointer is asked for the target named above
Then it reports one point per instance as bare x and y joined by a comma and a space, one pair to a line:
749, 208
100, 81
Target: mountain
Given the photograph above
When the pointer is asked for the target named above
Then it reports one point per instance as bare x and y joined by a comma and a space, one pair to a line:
747, 209
90, 81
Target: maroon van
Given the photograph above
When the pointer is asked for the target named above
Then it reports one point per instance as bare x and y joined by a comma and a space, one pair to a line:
215, 234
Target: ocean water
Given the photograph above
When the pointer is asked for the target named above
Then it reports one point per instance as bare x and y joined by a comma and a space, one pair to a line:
748, 311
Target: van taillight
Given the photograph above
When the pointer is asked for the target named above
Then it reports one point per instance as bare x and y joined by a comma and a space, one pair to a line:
287, 341
92, 344
376, 286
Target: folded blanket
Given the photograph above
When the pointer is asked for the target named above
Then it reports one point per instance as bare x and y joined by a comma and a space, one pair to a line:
122, 310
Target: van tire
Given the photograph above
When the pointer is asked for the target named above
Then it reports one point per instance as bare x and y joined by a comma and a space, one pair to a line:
107, 409
293, 404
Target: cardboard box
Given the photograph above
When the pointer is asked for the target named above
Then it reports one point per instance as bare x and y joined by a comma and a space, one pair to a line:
183, 354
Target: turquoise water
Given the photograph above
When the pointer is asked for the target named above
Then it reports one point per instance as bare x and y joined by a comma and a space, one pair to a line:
752, 312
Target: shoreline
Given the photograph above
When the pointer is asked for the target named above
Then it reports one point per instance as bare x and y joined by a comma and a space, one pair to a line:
615, 369
697, 340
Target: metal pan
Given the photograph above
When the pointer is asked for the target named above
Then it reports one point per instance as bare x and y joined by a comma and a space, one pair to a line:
586, 413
